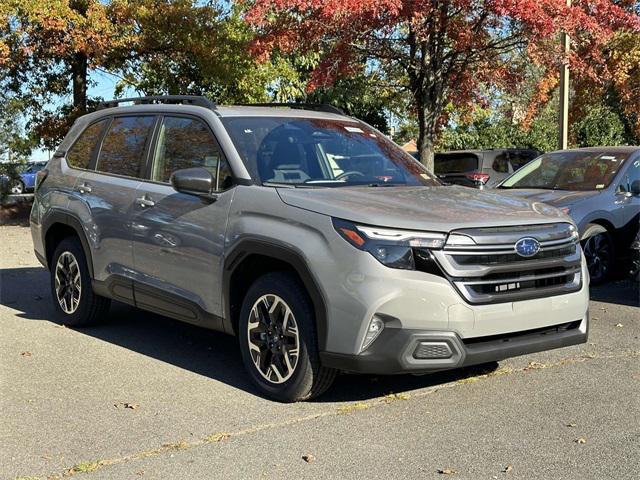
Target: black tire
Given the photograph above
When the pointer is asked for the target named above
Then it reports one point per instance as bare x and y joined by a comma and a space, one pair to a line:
18, 187
91, 308
308, 378
598, 248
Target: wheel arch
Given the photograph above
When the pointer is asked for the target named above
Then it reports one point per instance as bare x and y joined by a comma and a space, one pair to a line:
606, 226
253, 257
59, 225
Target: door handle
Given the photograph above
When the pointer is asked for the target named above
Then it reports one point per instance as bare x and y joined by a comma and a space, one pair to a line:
145, 202
84, 188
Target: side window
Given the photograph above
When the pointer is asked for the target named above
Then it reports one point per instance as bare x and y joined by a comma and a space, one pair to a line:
79, 155
520, 159
187, 143
123, 147
631, 175
500, 163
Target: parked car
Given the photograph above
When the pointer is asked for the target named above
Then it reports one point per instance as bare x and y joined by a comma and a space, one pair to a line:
307, 234
598, 187
480, 168
26, 182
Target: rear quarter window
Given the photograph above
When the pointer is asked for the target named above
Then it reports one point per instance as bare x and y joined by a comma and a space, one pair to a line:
80, 154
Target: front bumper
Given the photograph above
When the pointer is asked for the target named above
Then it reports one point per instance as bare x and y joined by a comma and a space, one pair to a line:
395, 350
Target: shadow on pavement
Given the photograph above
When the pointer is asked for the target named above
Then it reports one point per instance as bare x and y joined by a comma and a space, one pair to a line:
621, 292
199, 350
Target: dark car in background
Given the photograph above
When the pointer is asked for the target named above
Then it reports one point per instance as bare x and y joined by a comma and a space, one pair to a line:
480, 168
598, 187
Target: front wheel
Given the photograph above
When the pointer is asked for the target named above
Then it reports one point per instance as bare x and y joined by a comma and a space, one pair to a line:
278, 340
598, 252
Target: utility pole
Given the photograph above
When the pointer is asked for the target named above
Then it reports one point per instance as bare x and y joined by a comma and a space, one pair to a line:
563, 113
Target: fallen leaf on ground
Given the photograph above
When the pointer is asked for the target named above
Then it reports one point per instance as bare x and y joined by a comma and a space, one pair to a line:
217, 437
447, 471
581, 441
571, 425
308, 457
140, 473
26, 354
131, 406
507, 469
534, 366
619, 325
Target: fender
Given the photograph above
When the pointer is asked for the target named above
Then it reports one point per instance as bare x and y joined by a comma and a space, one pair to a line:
57, 216
279, 251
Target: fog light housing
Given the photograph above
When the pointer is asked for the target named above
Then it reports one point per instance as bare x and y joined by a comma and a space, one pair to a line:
375, 328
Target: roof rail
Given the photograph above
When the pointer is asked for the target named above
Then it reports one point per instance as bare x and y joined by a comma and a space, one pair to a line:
184, 99
320, 107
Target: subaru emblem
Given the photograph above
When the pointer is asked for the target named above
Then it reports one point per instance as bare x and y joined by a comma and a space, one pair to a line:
527, 247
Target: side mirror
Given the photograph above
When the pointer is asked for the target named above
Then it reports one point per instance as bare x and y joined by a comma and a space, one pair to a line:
193, 181
635, 187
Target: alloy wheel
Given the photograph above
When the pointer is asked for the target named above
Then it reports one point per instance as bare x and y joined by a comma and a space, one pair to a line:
274, 342
17, 188
68, 284
597, 251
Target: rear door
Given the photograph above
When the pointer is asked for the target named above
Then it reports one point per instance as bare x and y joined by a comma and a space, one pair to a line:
178, 239
108, 189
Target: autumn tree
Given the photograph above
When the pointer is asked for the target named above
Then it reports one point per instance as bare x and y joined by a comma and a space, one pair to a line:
49, 48
439, 51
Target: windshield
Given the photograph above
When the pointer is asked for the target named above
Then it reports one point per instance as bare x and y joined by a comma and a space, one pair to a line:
571, 170
309, 151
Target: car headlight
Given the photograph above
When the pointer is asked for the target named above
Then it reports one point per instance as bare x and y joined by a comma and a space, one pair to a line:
391, 247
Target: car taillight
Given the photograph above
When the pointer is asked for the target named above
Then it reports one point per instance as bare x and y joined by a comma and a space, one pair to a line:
482, 178
40, 177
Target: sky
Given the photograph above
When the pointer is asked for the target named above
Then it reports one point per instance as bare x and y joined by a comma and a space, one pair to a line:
101, 84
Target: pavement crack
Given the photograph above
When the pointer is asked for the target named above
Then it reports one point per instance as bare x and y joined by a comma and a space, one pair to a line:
347, 409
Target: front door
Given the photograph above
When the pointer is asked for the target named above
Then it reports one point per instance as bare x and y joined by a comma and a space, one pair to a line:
178, 239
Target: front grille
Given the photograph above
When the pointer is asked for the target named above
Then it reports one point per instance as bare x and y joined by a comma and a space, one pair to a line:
485, 268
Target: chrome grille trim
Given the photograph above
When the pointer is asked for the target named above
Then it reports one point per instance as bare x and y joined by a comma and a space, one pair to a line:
501, 275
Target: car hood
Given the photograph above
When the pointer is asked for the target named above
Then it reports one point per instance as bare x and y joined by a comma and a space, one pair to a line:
441, 208
556, 198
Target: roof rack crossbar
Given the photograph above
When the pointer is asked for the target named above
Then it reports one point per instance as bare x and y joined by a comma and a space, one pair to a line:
320, 107
184, 99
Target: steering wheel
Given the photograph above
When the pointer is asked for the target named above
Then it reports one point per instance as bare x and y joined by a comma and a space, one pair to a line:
348, 174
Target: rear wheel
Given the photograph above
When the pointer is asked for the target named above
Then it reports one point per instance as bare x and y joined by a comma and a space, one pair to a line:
73, 297
278, 340
18, 187
598, 252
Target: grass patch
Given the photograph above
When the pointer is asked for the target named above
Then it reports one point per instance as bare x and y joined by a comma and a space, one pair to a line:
84, 467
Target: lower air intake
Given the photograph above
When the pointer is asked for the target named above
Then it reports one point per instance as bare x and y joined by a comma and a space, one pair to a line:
432, 350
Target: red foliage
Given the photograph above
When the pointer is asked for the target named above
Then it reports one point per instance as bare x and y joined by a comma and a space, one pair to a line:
346, 31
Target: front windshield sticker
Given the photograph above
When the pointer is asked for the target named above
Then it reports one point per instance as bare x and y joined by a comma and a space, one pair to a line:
599, 186
609, 157
353, 129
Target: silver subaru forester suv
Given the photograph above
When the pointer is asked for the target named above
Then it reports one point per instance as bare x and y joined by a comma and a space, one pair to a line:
308, 235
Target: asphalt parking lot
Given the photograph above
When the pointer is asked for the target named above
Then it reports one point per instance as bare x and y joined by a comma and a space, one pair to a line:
146, 397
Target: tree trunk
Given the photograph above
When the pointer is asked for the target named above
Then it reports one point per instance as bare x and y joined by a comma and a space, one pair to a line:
79, 73
426, 134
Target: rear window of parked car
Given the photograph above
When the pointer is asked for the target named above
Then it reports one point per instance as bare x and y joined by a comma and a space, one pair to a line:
124, 145
455, 162
79, 155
